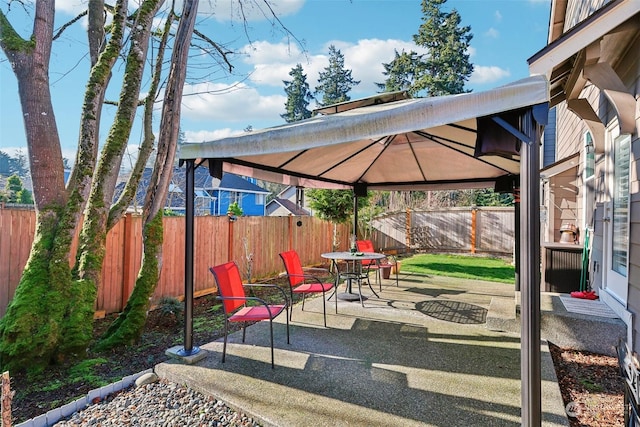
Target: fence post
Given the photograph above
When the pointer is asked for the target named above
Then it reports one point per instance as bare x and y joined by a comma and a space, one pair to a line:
290, 231
473, 229
230, 242
408, 228
127, 259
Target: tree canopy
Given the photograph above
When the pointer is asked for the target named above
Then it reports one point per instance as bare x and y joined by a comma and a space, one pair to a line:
334, 82
14, 191
298, 96
445, 67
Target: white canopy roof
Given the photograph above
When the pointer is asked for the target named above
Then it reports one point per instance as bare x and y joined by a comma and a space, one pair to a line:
425, 143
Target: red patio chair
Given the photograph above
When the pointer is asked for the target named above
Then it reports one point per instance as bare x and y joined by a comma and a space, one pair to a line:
238, 307
302, 282
373, 264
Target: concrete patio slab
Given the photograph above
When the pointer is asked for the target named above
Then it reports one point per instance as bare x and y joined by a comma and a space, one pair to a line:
420, 355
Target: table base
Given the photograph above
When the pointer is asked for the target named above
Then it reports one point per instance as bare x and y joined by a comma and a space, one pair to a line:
348, 296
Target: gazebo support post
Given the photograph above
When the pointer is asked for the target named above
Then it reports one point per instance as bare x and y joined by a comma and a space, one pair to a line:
530, 361
189, 349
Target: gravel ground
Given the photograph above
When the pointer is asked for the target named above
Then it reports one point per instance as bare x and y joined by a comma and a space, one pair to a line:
161, 403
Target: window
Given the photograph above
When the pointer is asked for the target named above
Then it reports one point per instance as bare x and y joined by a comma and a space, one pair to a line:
590, 156
588, 181
259, 199
620, 214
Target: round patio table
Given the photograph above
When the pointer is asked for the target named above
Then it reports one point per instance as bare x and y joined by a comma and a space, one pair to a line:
353, 272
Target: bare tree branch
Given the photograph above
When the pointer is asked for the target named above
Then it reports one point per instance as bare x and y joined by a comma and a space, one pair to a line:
216, 46
131, 187
68, 24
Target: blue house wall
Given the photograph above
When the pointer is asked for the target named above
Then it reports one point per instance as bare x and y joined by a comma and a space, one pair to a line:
250, 197
209, 200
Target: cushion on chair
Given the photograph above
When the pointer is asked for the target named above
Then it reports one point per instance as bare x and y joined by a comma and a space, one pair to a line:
255, 314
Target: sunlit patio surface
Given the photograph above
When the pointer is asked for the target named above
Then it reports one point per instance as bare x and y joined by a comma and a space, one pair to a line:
420, 354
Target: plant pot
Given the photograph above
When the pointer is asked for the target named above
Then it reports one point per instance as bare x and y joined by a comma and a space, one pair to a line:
385, 269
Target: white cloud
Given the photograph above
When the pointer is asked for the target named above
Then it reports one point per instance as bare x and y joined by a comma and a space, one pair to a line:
236, 103
365, 59
72, 7
498, 16
273, 62
483, 74
492, 33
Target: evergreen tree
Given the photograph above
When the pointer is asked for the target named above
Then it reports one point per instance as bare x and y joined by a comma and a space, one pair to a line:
14, 191
298, 96
400, 72
445, 68
13, 164
334, 83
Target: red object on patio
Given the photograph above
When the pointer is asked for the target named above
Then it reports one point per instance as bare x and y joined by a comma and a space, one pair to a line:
301, 282
584, 295
236, 305
373, 264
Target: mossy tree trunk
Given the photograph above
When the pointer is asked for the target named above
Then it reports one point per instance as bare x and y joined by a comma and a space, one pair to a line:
94, 232
50, 315
129, 325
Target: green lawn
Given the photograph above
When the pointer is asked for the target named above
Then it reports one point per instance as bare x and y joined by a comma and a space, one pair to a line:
466, 267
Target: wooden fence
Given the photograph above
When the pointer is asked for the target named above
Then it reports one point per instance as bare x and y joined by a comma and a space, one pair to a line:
487, 230
217, 240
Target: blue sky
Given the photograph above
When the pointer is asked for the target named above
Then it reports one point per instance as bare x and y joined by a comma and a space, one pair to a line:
505, 34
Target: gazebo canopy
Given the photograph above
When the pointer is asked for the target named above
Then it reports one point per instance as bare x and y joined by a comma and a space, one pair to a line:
384, 143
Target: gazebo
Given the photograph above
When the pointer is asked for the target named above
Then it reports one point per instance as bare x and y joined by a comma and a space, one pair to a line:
394, 142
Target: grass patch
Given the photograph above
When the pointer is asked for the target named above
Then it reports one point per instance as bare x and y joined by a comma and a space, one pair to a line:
84, 372
464, 267
590, 385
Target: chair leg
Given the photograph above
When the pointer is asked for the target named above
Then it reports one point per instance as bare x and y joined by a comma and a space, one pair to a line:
359, 280
290, 308
288, 342
224, 346
324, 309
271, 330
370, 287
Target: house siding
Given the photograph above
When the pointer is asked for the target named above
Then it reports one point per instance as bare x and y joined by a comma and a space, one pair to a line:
579, 10
619, 49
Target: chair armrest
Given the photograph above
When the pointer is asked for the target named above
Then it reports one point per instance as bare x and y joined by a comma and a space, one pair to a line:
317, 271
312, 277
270, 286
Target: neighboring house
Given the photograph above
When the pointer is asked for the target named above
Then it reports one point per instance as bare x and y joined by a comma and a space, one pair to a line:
232, 188
290, 201
590, 171
212, 196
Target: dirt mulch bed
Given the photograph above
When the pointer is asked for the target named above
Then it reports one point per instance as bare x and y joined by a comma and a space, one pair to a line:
591, 386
